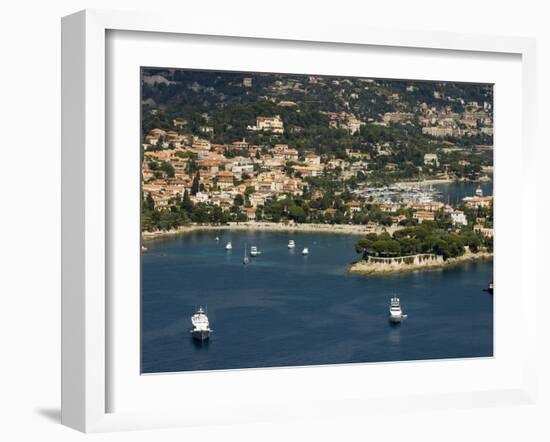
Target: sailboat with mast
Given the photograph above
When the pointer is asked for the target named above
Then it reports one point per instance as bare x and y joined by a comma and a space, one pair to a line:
245, 259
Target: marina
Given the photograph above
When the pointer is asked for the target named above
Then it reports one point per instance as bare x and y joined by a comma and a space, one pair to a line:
419, 193
283, 310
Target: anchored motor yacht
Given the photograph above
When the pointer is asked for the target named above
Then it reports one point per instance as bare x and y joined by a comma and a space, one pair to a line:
254, 251
305, 251
291, 244
201, 326
228, 246
396, 314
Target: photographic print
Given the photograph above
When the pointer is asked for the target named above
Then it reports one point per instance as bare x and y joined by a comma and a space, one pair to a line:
301, 220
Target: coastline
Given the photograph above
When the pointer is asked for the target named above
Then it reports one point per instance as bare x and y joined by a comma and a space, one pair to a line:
364, 268
427, 182
347, 229
435, 181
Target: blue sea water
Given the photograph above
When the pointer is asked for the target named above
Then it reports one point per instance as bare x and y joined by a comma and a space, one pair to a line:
284, 309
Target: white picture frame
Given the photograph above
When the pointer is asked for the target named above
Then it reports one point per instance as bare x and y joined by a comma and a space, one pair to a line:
85, 236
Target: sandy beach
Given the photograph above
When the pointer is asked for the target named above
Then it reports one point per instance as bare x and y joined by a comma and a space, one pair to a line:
264, 226
365, 268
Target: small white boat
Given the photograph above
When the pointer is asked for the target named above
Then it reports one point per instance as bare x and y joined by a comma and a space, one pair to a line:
479, 191
228, 246
143, 249
217, 238
200, 325
396, 314
254, 251
305, 251
291, 244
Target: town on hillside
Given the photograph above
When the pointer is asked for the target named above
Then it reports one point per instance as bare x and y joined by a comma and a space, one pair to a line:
244, 147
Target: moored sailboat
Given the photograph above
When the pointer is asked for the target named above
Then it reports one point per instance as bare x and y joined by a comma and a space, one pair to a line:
245, 259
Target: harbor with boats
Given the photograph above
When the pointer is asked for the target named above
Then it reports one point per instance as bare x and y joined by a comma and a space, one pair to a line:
424, 193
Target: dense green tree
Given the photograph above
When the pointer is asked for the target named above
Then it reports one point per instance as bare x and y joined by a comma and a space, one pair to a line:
168, 169
297, 214
239, 200
428, 237
186, 203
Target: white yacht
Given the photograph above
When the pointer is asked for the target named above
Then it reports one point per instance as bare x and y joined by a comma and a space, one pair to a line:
217, 238
201, 326
479, 191
305, 251
228, 246
396, 314
291, 244
254, 251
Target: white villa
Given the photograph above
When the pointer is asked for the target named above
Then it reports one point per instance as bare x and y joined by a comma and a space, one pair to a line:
273, 124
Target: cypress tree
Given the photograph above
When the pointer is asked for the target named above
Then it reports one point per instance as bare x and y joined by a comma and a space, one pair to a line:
195, 185
186, 203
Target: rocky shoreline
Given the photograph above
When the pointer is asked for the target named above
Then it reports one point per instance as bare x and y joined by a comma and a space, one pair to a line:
369, 268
